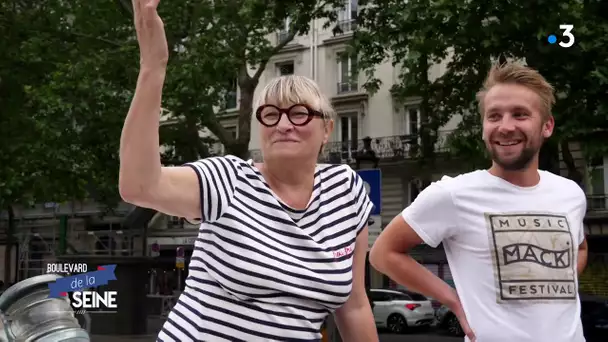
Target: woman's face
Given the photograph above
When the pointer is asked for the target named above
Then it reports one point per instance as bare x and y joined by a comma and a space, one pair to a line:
300, 132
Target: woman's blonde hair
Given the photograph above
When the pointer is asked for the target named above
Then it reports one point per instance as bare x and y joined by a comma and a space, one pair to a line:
291, 89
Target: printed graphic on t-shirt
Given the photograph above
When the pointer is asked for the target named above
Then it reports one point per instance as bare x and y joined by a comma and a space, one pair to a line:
533, 257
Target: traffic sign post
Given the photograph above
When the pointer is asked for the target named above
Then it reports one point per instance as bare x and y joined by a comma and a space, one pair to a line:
179, 264
372, 180
179, 258
155, 250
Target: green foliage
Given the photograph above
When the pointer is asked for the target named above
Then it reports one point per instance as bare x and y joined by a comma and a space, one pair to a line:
469, 35
68, 70
594, 279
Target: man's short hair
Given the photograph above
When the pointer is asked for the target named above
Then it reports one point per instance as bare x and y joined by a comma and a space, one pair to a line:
515, 73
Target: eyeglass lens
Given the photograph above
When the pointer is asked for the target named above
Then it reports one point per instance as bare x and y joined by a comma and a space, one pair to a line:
297, 115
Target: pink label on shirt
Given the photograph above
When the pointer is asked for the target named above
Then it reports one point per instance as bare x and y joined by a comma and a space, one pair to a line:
342, 252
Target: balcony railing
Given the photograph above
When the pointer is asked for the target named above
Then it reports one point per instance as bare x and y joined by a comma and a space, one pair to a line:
597, 203
282, 36
347, 25
347, 87
393, 148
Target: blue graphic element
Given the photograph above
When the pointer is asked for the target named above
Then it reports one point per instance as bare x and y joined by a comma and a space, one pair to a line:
374, 179
552, 39
79, 282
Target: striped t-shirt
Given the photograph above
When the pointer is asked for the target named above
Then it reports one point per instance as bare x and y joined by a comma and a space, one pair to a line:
260, 270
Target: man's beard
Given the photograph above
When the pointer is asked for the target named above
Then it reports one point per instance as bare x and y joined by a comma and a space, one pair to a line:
521, 162
517, 164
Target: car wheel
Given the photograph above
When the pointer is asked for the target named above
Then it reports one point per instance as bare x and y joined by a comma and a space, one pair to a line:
453, 326
396, 324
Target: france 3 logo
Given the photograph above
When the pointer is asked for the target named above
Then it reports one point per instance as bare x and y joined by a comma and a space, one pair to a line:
567, 34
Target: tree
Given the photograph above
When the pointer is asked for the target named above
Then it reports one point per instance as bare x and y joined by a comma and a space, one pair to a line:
217, 44
67, 74
469, 35
57, 142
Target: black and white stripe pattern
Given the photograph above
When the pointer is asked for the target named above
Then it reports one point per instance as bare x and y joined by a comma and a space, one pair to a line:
262, 271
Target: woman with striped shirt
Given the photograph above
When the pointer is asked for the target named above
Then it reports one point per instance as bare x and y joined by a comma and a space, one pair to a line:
282, 243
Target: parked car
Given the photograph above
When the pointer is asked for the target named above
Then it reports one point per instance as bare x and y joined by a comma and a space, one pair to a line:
594, 318
398, 310
447, 320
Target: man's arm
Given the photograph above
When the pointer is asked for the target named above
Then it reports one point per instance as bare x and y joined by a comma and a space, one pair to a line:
355, 319
431, 218
389, 256
582, 257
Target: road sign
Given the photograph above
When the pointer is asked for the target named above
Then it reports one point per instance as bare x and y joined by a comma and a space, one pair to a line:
155, 250
374, 228
373, 185
179, 258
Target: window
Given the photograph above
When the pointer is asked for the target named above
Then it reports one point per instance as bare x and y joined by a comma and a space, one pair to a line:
416, 296
232, 131
400, 296
285, 68
414, 190
218, 147
348, 15
349, 134
347, 73
411, 121
379, 296
284, 31
598, 184
230, 97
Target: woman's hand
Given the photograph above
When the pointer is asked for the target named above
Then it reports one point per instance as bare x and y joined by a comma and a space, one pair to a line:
153, 49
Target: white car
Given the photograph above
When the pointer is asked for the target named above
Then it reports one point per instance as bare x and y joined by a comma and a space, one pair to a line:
398, 310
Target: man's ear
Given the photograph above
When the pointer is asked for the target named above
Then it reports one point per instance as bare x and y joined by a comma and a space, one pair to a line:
548, 127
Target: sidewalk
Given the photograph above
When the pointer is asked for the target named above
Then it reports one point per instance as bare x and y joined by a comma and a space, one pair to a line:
123, 338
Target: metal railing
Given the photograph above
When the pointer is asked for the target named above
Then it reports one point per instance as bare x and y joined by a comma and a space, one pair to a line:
597, 202
398, 147
347, 87
347, 25
282, 36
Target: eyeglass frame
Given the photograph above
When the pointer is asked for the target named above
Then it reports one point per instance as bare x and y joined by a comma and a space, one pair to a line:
312, 113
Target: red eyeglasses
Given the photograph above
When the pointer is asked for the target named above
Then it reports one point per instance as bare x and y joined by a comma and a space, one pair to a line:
298, 114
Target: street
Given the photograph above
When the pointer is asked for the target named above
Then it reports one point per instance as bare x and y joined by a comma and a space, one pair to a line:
426, 337
415, 337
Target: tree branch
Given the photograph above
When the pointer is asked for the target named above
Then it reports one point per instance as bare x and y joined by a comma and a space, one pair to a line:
103, 40
126, 8
219, 131
273, 52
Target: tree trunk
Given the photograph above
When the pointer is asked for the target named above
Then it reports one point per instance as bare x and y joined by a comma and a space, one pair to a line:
9, 245
573, 172
241, 147
549, 157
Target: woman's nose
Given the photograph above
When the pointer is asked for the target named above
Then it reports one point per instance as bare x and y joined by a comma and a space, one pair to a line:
284, 124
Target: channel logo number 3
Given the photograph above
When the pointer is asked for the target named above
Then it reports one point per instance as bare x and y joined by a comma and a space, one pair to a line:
568, 34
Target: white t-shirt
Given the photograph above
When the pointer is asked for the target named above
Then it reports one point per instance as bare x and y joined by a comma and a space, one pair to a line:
512, 252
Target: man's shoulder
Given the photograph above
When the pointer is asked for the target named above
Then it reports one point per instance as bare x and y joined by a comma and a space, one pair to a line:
462, 181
